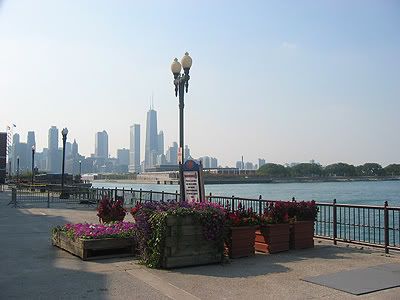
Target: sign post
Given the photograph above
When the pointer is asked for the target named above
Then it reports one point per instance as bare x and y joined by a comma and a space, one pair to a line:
193, 182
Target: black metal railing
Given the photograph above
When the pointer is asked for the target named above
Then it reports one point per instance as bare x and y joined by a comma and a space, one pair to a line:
370, 225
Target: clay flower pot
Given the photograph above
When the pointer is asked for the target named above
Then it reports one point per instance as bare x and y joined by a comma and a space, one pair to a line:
272, 238
302, 235
240, 242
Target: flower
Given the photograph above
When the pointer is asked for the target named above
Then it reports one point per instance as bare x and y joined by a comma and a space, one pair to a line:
98, 231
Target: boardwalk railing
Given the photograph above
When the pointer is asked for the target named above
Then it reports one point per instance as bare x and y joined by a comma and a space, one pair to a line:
370, 225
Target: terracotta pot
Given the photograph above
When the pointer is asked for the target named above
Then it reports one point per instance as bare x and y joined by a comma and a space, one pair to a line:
240, 241
272, 238
302, 235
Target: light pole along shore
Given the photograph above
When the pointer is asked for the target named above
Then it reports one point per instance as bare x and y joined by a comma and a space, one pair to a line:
64, 133
181, 82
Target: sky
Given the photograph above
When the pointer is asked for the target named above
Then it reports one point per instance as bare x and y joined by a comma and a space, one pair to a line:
288, 81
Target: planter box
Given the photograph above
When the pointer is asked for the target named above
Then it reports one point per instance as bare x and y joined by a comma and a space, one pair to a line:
95, 248
185, 244
241, 241
272, 238
302, 235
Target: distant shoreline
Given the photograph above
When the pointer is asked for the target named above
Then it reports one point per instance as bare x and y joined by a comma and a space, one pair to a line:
256, 180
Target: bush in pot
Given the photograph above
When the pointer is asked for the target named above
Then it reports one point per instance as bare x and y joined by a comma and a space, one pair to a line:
273, 233
111, 210
241, 225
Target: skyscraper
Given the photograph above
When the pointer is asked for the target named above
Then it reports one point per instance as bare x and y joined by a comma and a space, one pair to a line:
53, 157
30, 143
160, 143
261, 162
134, 149
151, 147
123, 156
75, 149
172, 154
101, 147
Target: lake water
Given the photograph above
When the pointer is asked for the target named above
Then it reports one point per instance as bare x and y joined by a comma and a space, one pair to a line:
370, 192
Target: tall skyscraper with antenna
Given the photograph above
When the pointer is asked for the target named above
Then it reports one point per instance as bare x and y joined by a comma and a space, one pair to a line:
151, 147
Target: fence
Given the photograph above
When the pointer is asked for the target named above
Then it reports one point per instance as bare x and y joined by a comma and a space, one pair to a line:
376, 226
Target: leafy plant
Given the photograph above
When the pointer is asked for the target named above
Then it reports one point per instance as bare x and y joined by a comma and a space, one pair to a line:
111, 210
275, 213
303, 210
151, 218
242, 217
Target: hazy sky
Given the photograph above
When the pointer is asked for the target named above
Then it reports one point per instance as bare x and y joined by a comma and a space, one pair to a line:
285, 81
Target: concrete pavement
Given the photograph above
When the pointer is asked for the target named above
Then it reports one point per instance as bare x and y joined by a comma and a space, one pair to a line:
31, 268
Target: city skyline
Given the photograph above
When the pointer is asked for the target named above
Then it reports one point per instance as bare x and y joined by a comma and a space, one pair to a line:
315, 88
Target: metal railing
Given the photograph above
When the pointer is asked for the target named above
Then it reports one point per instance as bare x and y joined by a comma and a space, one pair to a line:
370, 225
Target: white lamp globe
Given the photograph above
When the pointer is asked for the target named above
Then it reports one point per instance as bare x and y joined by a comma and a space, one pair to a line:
186, 61
176, 67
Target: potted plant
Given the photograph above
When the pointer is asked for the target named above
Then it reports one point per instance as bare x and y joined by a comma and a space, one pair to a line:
273, 233
111, 210
302, 216
178, 234
240, 236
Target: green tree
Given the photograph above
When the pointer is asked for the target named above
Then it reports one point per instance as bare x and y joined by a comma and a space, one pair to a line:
273, 170
370, 169
306, 169
340, 169
393, 169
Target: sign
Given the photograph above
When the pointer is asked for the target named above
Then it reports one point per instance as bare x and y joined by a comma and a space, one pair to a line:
192, 181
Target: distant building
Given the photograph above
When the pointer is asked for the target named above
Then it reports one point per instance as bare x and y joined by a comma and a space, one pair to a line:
172, 154
249, 166
261, 162
123, 156
134, 149
240, 165
160, 143
68, 149
213, 162
31, 142
151, 138
75, 149
187, 152
53, 157
3, 157
206, 162
101, 147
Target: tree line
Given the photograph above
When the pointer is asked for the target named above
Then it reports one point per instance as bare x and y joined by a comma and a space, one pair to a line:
333, 170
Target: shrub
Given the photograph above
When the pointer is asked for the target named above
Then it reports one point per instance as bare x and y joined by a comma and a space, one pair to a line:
111, 210
242, 217
151, 226
275, 213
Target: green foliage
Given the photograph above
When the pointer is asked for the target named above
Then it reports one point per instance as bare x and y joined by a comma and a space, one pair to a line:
392, 170
340, 169
306, 169
273, 170
370, 169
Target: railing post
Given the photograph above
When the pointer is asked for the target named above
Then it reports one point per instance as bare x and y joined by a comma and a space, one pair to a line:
116, 193
176, 195
162, 196
151, 195
233, 203
334, 222
140, 195
293, 199
386, 226
48, 198
210, 197
259, 205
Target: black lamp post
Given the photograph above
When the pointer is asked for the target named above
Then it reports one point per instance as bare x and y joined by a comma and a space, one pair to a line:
33, 163
181, 82
64, 133
80, 168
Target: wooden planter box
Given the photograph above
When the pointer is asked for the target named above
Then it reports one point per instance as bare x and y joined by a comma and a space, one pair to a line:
241, 241
272, 238
302, 235
185, 244
96, 248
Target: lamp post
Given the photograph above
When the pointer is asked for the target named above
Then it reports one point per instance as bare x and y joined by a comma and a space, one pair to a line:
181, 82
64, 133
33, 163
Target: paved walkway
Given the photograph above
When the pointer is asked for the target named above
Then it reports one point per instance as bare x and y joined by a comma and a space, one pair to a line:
33, 269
